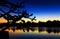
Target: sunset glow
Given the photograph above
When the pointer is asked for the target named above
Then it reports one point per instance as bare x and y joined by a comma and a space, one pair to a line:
2, 20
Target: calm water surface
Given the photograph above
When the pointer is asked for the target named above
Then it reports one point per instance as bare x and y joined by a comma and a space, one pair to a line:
34, 33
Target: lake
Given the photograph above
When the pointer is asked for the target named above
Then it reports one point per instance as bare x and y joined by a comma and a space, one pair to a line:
35, 33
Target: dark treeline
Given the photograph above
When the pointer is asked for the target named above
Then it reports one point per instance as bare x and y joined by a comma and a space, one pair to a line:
33, 24
51, 26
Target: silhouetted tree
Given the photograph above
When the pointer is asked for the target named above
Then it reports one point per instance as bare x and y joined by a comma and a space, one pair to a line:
7, 15
12, 7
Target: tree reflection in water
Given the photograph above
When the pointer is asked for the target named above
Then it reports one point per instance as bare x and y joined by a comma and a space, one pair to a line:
38, 29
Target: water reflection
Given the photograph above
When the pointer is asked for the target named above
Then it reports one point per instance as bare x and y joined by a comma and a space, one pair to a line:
41, 30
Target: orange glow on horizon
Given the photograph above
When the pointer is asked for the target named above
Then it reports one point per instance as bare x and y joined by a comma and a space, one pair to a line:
2, 20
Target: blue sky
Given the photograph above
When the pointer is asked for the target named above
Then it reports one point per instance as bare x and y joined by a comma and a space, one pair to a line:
43, 9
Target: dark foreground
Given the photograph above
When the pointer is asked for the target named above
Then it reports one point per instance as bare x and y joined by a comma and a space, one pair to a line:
4, 35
